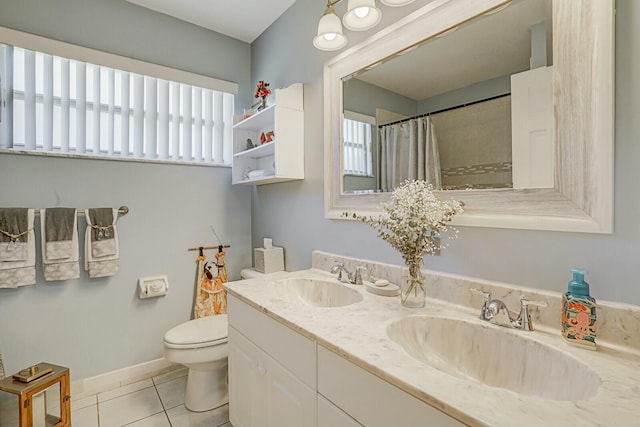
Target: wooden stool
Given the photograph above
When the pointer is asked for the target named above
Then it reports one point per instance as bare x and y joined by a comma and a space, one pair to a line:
25, 391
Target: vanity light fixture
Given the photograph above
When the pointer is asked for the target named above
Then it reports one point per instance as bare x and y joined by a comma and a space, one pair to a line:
361, 15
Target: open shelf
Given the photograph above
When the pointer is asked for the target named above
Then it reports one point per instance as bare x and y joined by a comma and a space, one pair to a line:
257, 121
266, 149
284, 156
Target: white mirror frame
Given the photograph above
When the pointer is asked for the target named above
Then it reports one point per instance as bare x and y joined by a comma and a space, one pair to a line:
583, 57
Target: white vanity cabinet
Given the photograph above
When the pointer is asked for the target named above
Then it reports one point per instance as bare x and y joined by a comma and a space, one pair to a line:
371, 400
329, 415
281, 159
272, 371
278, 377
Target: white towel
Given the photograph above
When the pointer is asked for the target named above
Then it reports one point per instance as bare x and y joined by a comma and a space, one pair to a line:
101, 256
21, 273
60, 259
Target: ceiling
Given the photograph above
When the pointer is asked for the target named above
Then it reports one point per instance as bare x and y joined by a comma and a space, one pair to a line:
241, 19
491, 46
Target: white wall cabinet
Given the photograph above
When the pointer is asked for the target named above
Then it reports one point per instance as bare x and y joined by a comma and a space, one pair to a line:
279, 160
532, 128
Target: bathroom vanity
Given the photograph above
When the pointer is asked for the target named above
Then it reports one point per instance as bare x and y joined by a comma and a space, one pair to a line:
306, 350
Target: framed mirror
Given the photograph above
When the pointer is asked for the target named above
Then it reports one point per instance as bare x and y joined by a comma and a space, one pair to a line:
572, 184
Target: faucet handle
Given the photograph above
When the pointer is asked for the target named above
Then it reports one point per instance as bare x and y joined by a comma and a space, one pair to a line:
524, 302
487, 295
524, 319
361, 275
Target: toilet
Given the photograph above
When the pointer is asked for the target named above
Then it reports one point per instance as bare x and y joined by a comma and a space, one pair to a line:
201, 345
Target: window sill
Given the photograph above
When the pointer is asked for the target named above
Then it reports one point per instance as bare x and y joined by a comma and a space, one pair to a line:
110, 158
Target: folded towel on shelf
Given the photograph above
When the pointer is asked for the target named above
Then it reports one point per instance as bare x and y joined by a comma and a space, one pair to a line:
101, 242
59, 235
18, 247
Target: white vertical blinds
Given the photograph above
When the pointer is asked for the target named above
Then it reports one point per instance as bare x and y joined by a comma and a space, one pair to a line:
62, 105
357, 154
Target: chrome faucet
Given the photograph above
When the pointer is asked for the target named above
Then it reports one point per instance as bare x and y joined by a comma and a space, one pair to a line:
339, 269
495, 311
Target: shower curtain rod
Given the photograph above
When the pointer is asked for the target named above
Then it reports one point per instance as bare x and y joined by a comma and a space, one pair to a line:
122, 210
446, 109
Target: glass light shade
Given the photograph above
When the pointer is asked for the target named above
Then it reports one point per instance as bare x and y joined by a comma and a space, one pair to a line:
396, 3
330, 35
361, 15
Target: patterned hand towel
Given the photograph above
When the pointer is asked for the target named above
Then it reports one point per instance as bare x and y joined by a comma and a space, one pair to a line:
17, 248
59, 235
101, 242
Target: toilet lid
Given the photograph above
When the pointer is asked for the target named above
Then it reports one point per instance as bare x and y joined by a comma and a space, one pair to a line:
205, 330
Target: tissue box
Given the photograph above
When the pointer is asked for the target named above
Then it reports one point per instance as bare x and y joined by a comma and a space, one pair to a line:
268, 260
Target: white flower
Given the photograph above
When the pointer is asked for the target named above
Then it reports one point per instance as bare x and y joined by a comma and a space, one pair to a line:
414, 221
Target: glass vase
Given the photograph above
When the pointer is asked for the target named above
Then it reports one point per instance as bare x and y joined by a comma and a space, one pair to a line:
412, 288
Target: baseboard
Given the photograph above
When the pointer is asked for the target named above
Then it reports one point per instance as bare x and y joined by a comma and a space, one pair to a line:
110, 380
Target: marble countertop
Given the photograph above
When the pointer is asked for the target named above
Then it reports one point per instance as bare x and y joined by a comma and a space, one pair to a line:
358, 332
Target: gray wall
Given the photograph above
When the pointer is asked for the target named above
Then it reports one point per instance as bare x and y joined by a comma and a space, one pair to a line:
475, 92
364, 98
293, 213
123, 28
99, 325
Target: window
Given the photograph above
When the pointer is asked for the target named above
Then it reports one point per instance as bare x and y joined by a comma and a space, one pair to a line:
58, 105
357, 137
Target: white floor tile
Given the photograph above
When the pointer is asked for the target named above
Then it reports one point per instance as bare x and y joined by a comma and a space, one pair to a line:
157, 420
172, 392
121, 391
9, 410
129, 408
85, 417
182, 417
178, 373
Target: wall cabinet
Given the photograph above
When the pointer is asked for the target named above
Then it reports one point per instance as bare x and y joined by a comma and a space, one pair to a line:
280, 160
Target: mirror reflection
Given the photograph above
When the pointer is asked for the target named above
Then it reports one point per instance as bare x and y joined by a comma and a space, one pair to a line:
485, 122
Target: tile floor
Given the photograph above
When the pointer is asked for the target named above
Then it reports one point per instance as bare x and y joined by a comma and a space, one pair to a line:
155, 402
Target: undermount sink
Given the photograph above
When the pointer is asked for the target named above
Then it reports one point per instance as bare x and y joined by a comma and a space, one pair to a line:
494, 356
315, 292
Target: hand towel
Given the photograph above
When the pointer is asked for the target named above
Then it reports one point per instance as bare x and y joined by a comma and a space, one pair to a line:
17, 233
13, 239
59, 235
101, 242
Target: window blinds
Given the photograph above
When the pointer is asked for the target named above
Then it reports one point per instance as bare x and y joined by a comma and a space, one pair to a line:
54, 104
357, 147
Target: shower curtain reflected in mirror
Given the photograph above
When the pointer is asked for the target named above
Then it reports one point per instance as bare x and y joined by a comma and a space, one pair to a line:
408, 150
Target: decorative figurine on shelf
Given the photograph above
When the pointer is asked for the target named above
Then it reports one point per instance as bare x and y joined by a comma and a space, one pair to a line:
266, 137
249, 144
262, 91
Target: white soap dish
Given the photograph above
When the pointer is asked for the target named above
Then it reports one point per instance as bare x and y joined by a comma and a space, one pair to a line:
380, 288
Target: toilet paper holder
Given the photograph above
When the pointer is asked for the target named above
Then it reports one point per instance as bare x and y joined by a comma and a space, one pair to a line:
154, 286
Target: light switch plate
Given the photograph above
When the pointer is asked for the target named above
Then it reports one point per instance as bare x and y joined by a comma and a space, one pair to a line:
154, 286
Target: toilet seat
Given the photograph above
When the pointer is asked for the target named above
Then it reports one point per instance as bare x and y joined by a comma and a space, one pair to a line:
198, 333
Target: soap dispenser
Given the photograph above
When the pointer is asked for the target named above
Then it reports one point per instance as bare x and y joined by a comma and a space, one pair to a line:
579, 312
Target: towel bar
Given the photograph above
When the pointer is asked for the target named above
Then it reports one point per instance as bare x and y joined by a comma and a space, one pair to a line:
122, 210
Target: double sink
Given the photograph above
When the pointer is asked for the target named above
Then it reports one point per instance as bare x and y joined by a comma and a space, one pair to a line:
463, 347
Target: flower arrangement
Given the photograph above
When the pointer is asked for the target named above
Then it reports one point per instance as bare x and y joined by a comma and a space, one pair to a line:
262, 91
414, 222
